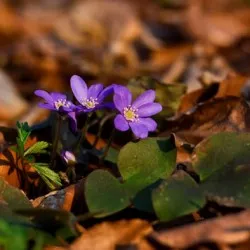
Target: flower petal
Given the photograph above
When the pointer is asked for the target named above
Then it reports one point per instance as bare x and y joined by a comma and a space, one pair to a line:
107, 91
149, 123
122, 97
79, 88
56, 96
46, 106
95, 90
121, 123
65, 109
139, 129
108, 105
147, 97
45, 95
72, 121
149, 109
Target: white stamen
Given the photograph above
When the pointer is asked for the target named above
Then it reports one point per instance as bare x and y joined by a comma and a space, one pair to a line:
90, 103
130, 114
61, 103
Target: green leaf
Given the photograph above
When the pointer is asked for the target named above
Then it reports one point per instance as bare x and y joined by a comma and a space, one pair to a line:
146, 161
14, 148
143, 199
177, 196
8, 232
23, 131
112, 155
168, 95
223, 150
20, 147
104, 194
10, 216
24, 236
37, 148
51, 178
30, 158
59, 222
229, 186
14, 197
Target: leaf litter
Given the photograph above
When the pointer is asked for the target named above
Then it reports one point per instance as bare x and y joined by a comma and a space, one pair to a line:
184, 187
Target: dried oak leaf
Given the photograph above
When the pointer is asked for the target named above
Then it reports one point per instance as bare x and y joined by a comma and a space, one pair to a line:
231, 86
223, 114
12, 105
184, 150
231, 229
111, 235
198, 96
70, 198
214, 27
8, 164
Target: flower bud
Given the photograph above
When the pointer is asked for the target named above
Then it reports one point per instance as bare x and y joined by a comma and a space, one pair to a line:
68, 157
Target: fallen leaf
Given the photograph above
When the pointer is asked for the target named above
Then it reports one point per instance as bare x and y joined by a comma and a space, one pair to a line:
231, 229
196, 97
110, 235
92, 138
224, 114
15, 198
214, 27
231, 86
9, 165
67, 199
184, 150
12, 105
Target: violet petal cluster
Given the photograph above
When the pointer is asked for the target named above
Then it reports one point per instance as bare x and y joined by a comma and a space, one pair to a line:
91, 98
135, 115
68, 157
55, 101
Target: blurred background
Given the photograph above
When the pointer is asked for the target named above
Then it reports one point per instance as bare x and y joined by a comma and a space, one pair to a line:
44, 42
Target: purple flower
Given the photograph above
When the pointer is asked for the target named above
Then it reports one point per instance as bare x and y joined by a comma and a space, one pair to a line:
68, 157
135, 115
92, 98
55, 101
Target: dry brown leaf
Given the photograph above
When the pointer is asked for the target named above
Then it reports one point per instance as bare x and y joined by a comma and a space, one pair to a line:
8, 164
231, 229
7, 168
91, 139
225, 114
162, 58
66, 199
193, 98
183, 155
12, 105
113, 29
214, 27
110, 235
231, 86
35, 115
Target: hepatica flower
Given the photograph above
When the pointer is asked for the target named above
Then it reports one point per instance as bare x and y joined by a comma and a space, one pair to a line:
91, 98
135, 115
68, 157
55, 101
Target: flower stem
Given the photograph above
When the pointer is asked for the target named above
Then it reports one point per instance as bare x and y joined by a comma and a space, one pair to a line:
83, 134
55, 141
106, 149
102, 122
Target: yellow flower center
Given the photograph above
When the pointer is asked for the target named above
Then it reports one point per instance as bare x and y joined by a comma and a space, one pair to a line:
130, 114
61, 103
90, 103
